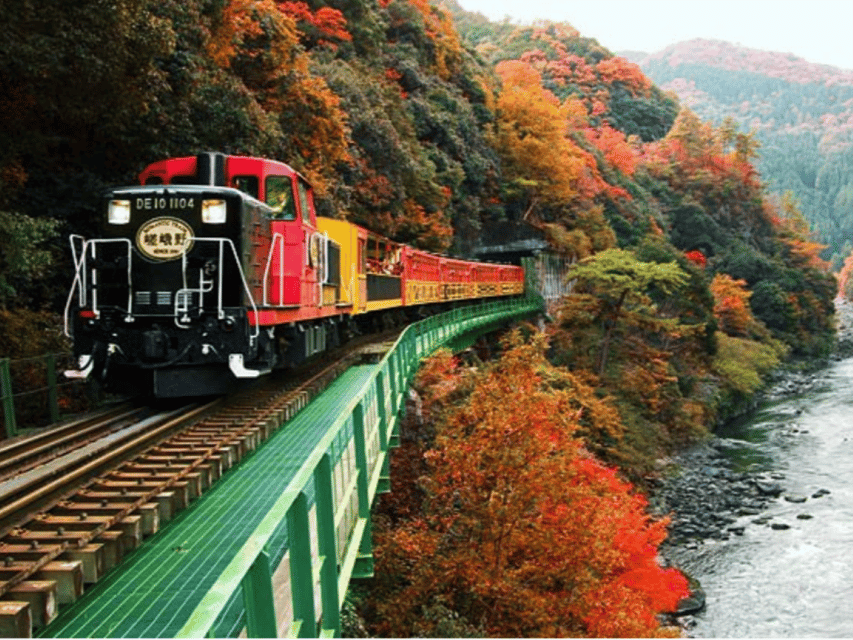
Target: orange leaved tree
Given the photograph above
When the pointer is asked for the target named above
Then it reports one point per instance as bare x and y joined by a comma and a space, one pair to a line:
731, 305
525, 533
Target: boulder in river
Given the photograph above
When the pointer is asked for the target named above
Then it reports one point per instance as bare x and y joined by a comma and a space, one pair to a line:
769, 488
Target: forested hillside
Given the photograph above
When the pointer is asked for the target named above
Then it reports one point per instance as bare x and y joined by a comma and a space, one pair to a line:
801, 113
426, 125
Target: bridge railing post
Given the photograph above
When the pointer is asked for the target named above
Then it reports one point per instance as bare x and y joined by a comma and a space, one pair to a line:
327, 546
258, 599
384, 485
8, 398
301, 572
52, 391
364, 565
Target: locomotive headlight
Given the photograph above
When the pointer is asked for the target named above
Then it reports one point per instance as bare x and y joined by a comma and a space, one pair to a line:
213, 211
119, 212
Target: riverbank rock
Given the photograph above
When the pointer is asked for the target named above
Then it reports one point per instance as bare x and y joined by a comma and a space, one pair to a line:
772, 489
706, 499
694, 603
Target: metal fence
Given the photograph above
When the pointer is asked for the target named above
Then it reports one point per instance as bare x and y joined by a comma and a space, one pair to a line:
34, 395
325, 509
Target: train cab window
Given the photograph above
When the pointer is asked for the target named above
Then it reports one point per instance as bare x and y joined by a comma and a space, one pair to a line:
246, 184
279, 195
302, 190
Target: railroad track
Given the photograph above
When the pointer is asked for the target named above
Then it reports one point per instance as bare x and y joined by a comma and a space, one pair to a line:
24, 453
68, 519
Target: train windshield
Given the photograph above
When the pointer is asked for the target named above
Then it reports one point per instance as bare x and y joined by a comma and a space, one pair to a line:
279, 196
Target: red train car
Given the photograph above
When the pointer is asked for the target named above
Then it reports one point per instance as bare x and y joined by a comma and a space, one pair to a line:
217, 267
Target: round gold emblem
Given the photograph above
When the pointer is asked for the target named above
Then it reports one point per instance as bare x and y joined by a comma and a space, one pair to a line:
164, 238
314, 250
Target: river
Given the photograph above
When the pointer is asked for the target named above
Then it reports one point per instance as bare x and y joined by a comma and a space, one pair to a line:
788, 570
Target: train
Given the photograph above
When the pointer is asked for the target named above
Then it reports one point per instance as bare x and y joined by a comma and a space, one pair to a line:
216, 268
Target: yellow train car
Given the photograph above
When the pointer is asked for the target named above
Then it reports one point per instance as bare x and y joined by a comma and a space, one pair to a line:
378, 274
371, 266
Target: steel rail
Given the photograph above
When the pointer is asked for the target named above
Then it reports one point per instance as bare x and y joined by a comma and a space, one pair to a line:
91, 467
72, 474
14, 455
237, 424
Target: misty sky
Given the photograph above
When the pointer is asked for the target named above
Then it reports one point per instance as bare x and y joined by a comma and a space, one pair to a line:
817, 30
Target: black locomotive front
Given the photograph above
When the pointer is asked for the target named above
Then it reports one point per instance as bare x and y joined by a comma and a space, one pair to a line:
162, 301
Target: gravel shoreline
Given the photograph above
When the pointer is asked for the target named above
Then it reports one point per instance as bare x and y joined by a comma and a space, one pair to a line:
707, 499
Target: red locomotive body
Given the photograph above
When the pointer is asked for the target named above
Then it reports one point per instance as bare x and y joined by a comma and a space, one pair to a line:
217, 267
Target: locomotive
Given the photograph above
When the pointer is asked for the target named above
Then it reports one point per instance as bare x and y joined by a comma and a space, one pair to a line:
217, 268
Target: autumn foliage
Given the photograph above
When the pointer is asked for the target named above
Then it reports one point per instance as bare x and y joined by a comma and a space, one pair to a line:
523, 532
731, 304
845, 283
690, 283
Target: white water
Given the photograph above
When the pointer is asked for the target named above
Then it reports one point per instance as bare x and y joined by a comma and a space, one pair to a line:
796, 582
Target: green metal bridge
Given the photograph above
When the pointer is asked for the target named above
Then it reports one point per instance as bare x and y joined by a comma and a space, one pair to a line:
272, 547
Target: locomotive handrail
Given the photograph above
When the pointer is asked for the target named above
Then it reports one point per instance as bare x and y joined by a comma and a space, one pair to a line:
372, 411
79, 279
322, 265
80, 275
220, 312
276, 238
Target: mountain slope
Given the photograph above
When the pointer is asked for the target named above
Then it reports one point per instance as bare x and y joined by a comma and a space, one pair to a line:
801, 113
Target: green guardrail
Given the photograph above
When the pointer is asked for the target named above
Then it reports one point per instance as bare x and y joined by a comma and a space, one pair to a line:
337, 496
44, 393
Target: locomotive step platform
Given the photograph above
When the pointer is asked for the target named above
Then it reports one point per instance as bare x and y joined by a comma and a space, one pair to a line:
157, 587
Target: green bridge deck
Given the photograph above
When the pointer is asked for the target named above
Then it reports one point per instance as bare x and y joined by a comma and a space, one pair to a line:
271, 548
158, 586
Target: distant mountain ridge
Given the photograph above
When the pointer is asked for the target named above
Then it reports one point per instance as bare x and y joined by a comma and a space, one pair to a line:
733, 57
801, 113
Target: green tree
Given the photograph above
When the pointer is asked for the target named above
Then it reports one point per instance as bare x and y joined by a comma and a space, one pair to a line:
23, 257
614, 288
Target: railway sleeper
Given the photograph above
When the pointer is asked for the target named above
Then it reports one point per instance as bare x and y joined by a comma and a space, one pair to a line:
180, 489
192, 481
168, 502
220, 461
111, 540
149, 513
15, 619
90, 557
208, 471
41, 596
242, 444
130, 526
67, 574
199, 478
93, 558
